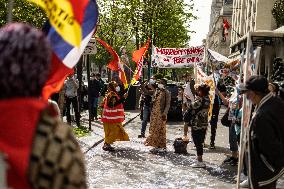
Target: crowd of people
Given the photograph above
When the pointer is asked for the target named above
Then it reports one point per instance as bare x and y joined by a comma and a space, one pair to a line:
47, 143
264, 158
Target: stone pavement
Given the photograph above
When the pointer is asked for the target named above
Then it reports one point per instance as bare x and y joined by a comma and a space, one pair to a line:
97, 133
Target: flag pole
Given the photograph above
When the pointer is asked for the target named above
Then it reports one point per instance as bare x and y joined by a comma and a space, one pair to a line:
245, 114
10, 11
129, 68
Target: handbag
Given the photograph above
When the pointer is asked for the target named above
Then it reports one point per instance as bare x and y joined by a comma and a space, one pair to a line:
225, 119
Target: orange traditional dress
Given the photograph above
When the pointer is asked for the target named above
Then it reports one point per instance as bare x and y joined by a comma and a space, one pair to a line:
112, 118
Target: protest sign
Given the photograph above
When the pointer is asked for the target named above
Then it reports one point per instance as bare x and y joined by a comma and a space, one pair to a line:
177, 57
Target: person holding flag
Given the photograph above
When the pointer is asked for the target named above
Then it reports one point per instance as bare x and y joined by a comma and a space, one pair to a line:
113, 116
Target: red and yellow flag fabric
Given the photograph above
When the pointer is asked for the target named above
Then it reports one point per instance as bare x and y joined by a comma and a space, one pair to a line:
64, 18
138, 57
114, 64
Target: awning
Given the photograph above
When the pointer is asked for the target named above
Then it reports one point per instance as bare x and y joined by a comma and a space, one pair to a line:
217, 56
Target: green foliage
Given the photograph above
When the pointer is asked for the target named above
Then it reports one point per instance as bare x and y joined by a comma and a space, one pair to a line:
130, 22
23, 11
81, 131
278, 12
159, 75
188, 71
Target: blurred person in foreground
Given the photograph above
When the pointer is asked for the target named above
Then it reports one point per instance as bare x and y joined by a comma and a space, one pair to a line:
113, 116
39, 150
266, 134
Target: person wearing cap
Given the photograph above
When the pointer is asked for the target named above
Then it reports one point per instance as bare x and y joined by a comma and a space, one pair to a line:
266, 134
37, 148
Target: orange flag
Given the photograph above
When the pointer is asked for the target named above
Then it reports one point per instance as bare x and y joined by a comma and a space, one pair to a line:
113, 64
138, 57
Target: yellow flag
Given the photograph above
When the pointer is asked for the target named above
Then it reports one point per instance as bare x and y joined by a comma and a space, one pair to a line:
61, 17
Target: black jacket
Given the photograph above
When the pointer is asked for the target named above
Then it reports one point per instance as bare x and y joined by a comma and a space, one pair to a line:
266, 142
96, 87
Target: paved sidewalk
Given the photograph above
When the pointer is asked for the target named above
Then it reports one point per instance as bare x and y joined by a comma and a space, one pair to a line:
97, 133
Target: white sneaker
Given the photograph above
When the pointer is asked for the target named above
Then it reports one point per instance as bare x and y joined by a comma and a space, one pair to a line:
244, 184
198, 164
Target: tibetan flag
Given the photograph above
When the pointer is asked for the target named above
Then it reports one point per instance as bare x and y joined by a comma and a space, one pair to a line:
138, 57
66, 55
65, 17
115, 64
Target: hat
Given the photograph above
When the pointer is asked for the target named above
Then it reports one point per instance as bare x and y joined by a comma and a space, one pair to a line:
24, 61
255, 83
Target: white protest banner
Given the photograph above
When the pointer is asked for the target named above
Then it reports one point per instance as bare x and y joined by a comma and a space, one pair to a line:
177, 57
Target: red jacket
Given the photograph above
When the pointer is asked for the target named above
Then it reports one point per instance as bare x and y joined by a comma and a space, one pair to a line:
112, 114
18, 121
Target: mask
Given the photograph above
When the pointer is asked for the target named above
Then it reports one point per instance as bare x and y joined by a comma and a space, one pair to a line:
117, 89
161, 86
152, 81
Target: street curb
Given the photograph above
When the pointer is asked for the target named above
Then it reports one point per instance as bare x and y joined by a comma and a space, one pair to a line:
100, 141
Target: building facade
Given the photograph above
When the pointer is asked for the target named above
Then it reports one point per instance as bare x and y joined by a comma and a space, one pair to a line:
250, 16
216, 40
255, 17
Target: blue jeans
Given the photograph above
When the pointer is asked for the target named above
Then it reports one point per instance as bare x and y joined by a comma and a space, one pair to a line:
233, 140
146, 115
